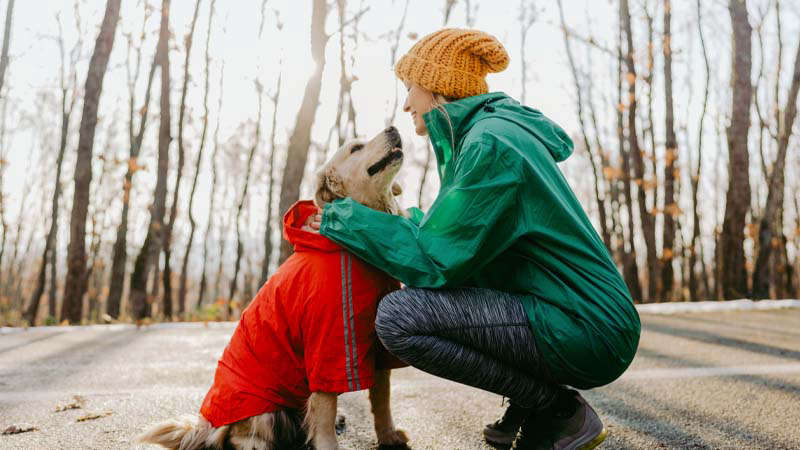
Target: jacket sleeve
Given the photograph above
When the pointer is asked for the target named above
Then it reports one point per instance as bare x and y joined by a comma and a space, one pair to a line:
415, 214
472, 220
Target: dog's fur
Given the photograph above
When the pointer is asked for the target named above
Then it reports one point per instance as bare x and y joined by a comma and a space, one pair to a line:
364, 171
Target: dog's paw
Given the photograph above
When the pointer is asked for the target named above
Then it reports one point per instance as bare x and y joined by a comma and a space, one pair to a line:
392, 439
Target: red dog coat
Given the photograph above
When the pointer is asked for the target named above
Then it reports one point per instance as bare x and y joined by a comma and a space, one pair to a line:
311, 327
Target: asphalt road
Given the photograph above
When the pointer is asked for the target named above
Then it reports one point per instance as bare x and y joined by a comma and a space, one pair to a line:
710, 380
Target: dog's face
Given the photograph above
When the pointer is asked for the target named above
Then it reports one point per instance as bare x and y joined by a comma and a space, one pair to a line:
364, 171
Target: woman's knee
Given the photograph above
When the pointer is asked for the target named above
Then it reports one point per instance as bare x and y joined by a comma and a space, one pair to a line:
385, 321
397, 318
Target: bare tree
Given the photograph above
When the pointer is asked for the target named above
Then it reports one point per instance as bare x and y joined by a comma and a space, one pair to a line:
527, 17
300, 140
119, 258
768, 222
75, 284
601, 204
153, 240
243, 197
393, 57
201, 146
448, 9
271, 176
647, 219
97, 215
224, 229
17, 263
693, 285
68, 101
211, 205
6, 42
344, 126
734, 273
3, 164
629, 264
3, 69
671, 210
173, 211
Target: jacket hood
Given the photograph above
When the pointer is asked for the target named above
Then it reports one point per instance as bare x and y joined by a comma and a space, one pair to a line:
302, 240
465, 112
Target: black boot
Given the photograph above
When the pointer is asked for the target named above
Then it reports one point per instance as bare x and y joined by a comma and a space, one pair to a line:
504, 430
571, 424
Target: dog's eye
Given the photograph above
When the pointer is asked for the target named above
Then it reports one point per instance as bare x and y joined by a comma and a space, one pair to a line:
356, 148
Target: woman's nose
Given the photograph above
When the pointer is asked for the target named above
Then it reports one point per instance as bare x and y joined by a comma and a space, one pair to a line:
406, 106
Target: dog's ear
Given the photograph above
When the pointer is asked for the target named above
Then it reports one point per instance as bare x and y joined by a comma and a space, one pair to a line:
330, 186
396, 189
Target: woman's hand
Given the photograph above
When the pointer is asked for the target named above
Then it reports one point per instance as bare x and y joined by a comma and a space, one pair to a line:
313, 222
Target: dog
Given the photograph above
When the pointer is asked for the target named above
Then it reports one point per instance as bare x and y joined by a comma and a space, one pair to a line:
277, 383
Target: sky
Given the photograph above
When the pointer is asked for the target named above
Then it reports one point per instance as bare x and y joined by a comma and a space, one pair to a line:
247, 57
235, 41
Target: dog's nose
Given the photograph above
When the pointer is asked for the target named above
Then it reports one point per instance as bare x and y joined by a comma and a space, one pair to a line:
394, 137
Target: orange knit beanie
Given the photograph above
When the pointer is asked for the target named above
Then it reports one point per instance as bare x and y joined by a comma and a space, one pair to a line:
453, 62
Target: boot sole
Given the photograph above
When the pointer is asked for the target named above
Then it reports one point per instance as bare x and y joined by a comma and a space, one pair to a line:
498, 438
594, 442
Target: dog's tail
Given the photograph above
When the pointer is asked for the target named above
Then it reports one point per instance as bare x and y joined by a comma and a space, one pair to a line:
185, 433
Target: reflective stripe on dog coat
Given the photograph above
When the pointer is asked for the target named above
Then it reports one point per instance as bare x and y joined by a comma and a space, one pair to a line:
310, 328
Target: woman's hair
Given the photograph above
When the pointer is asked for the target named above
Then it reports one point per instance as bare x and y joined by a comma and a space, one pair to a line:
439, 101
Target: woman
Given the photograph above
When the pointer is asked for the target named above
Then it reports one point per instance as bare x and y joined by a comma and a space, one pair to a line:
510, 289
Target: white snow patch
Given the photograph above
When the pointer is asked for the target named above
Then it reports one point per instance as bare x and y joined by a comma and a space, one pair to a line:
123, 326
649, 308
714, 306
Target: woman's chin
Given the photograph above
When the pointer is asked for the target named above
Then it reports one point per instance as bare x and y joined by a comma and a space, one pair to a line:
422, 131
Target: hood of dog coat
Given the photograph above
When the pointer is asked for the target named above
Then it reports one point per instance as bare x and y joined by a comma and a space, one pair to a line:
303, 240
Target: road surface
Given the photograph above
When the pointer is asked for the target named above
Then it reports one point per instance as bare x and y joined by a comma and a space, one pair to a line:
726, 380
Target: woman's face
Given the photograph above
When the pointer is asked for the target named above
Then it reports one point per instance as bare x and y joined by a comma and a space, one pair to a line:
418, 102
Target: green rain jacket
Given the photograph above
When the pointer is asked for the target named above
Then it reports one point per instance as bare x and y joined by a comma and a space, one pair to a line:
505, 218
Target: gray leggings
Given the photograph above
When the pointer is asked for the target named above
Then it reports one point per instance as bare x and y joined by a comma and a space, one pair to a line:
479, 337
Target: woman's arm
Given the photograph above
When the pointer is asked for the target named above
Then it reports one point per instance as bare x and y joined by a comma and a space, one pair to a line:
471, 222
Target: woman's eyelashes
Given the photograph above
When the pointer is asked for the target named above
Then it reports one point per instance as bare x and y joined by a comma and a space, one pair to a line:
356, 148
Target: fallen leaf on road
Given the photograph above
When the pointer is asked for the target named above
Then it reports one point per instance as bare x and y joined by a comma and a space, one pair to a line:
21, 428
93, 415
76, 403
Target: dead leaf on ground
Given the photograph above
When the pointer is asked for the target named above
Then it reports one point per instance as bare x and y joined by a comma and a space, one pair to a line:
21, 428
76, 403
93, 415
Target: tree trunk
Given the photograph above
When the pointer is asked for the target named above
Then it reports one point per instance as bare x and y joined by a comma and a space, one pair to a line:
629, 265
192, 223
392, 59
6, 43
173, 211
527, 17
49, 255
768, 225
120, 255
3, 68
734, 272
670, 171
243, 198
50, 246
448, 8
211, 208
647, 219
300, 140
273, 148
75, 284
3, 223
153, 241
601, 202
693, 282
97, 220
